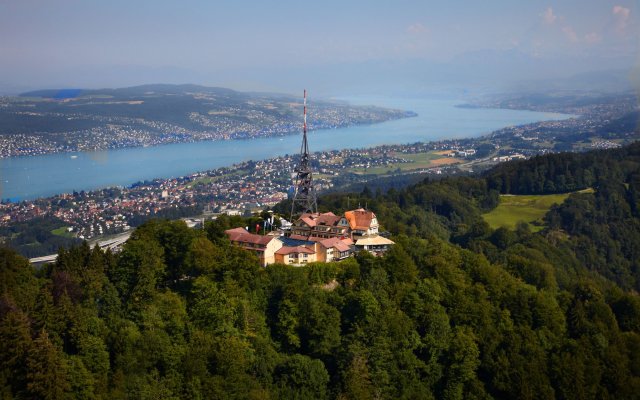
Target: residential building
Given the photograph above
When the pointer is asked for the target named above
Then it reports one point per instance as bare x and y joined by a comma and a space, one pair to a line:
335, 249
361, 223
314, 237
325, 225
264, 247
295, 255
376, 245
355, 224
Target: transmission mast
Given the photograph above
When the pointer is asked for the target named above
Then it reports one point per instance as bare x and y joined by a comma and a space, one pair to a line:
304, 198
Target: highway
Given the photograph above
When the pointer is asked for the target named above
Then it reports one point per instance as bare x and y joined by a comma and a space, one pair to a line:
112, 243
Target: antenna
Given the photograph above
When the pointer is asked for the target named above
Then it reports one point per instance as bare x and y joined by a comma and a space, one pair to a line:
304, 198
304, 148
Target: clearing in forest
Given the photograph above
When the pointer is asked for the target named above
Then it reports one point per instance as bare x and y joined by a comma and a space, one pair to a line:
527, 208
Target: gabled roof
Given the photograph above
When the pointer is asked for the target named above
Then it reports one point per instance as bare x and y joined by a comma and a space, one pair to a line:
315, 219
329, 219
360, 218
308, 220
297, 249
342, 247
336, 243
240, 235
236, 230
348, 241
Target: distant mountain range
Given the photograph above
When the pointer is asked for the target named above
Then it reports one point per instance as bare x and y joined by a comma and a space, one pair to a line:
476, 72
134, 91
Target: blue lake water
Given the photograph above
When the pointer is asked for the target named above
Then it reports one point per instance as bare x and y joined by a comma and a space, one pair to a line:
23, 178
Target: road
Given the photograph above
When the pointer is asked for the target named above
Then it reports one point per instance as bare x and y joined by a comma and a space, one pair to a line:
112, 243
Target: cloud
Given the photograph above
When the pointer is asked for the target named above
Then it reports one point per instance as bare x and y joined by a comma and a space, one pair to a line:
570, 34
417, 41
621, 16
417, 29
548, 16
622, 11
593, 38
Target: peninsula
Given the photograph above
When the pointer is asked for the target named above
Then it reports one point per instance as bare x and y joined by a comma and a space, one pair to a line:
70, 120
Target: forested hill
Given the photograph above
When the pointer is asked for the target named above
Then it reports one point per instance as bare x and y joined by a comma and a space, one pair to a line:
455, 310
566, 172
603, 228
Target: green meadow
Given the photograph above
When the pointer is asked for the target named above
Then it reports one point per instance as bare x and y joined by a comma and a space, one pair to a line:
415, 161
62, 231
527, 208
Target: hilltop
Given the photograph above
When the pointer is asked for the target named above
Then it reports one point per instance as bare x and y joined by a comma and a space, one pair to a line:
456, 309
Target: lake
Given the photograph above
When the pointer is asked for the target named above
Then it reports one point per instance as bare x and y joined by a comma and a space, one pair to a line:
24, 178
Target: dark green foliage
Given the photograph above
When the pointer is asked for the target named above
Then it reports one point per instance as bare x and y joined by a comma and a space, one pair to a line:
300, 377
565, 172
34, 238
47, 368
170, 213
453, 311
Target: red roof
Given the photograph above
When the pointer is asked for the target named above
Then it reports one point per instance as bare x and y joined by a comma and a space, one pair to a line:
240, 235
308, 220
336, 244
360, 218
315, 219
297, 249
307, 238
236, 230
347, 241
329, 219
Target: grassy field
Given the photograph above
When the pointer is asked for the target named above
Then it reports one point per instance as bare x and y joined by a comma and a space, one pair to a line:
205, 180
62, 231
416, 161
530, 209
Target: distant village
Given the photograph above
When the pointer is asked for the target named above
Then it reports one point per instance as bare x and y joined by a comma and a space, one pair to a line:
238, 190
255, 118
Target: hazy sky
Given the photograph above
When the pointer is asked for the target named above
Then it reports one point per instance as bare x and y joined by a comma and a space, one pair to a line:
117, 42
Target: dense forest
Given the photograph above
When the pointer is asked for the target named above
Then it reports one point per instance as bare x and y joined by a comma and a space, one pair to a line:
36, 237
455, 310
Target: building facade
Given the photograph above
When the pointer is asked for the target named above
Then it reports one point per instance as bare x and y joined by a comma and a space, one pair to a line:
323, 237
264, 247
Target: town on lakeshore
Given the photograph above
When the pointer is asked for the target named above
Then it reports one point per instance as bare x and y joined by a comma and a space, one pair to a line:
54, 121
252, 186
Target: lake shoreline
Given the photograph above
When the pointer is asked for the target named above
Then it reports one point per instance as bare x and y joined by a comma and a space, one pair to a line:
48, 175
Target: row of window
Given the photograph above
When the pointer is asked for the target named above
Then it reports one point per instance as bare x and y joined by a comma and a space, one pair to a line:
296, 255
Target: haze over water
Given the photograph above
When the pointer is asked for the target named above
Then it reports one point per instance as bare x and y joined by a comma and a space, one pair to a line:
23, 178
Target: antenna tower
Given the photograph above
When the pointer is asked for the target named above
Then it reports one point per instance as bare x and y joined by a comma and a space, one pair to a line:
304, 198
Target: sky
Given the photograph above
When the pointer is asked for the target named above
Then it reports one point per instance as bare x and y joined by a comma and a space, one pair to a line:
339, 45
